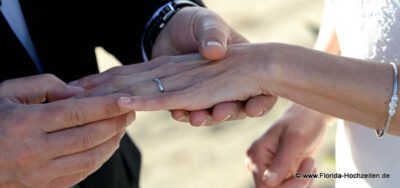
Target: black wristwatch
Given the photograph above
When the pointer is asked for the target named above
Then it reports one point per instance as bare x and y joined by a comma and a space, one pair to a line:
157, 23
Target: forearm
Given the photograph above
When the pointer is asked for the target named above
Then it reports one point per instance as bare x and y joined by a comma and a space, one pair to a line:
351, 89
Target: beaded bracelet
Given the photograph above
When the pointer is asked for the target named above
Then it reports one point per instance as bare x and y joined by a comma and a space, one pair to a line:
392, 104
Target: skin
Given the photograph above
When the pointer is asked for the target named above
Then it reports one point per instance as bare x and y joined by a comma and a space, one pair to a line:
38, 151
195, 30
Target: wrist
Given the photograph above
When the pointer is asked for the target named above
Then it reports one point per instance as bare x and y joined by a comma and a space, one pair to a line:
272, 69
322, 118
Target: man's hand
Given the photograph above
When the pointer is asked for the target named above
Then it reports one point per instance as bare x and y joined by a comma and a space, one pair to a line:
56, 144
199, 30
196, 30
287, 148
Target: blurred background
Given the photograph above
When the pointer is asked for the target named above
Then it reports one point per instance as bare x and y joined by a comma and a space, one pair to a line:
176, 155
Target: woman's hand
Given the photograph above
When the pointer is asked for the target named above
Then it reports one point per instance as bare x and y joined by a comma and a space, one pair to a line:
189, 80
193, 84
287, 148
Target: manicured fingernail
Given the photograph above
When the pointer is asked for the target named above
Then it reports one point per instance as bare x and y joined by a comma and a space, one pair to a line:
184, 116
227, 117
261, 113
203, 123
214, 43
251, 166
181, 118
270, 177
125, 100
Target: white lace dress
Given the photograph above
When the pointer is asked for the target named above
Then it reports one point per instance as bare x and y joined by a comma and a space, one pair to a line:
367, 29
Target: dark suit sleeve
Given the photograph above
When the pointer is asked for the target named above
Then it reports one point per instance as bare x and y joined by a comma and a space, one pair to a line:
119, 24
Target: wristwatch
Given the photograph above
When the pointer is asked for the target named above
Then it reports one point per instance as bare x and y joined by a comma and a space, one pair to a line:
158, 22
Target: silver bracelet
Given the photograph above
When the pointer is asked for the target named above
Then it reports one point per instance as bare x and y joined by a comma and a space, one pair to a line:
392, 103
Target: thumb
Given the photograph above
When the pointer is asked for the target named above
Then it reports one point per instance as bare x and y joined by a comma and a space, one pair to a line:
212, 35
284, 162
37, 89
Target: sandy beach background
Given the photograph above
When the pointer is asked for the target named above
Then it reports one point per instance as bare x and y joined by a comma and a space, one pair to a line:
176, 155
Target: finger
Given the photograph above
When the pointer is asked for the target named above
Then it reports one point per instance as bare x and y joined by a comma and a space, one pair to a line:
228, 111
86, 161
142, 83
161, 101
307, 167
140, 72
181, 99
284, 163
75, 112
212, 33
37, 89
259, 105
257, 165
180, 115
200, 118
95, 80
82, 138
259, 157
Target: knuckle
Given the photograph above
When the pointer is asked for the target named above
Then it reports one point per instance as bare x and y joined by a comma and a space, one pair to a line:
120, 123
133, 89
49, 77
117, 81
250, 152
115, 71
254, 149
90, 162
111, 108
86, 140
298, 133
86, 82
75, 117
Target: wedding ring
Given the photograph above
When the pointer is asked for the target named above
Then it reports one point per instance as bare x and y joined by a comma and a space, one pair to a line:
159, 85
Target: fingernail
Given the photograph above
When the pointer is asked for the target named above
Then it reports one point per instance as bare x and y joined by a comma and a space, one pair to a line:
214, 43
261, 113
227, 117
74, 83
184, 116
126, 101
76, 88
203, 123
270, 177
181, 118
